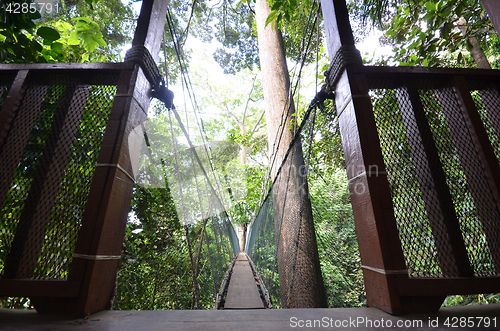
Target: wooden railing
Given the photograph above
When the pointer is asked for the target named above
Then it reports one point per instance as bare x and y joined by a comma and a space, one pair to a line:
435, 192
66, 179
420, 147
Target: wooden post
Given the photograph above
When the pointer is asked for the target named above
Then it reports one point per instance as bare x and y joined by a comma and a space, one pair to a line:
493, 9
380, 248
12, 146
97, 252
491, 100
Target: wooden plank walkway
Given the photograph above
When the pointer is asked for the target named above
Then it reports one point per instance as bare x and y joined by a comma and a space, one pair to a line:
242, 292
251, 320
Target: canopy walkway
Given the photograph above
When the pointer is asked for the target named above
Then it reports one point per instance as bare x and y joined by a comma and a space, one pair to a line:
242, 291
421, 150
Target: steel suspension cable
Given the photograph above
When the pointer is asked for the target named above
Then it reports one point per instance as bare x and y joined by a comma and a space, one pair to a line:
194, 105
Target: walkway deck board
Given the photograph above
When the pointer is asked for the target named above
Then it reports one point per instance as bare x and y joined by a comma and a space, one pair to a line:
242, 292
244, 320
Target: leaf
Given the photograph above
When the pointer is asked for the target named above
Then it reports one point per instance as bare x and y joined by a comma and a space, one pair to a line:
65, 26
82, 26
34, 16
414, 44
85, 57
36, 45
271, 18
459, 9
48, 34
74, 38
469, 45
101, 42
89, 43
56, 47
277, 5
83, 19
430, 6
449, 7
445, 30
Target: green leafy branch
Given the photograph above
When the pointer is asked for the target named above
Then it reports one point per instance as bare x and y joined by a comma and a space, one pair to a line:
62, 42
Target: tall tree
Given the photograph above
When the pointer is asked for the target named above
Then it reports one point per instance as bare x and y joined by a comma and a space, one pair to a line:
240, 105
301, 281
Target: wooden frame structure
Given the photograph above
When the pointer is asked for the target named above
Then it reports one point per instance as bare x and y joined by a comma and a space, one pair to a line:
90, 281
388, 285
91, 277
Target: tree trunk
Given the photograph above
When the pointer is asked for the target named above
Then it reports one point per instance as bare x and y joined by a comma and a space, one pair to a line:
243, 237
195, 303
301, 283
476, 51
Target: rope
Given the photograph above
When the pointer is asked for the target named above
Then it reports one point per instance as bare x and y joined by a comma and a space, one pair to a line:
140, 54
345, 56
186, 80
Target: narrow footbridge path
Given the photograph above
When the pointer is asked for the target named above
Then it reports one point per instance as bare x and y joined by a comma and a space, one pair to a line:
242, 292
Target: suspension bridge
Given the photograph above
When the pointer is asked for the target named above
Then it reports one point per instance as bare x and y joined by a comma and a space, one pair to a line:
421, 154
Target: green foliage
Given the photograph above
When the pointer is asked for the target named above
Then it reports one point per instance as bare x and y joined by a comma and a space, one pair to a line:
15, 32
154, 271
24, 41
241, 123
236, 31
281, 9
116, 23
426, 32
336, 237
235, 28
471, 300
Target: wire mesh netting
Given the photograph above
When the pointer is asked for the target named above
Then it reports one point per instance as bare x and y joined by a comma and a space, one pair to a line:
435, 178
487, 100
190, 240
5, 84
326, 187
51, 154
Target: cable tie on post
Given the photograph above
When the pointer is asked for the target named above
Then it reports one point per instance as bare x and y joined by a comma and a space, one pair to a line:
386, 272
97, 257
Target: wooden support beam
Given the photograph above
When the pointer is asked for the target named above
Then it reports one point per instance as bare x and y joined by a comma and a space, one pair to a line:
493, 9
491, 101
64, 67
108, 205
479, 162
30, 233
418, 287
12, 146
38, 288
448, 239
378, 238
